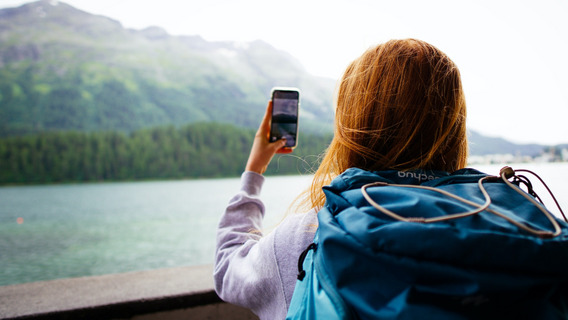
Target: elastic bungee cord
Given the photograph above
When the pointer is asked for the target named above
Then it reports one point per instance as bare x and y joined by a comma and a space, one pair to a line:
504, 174
533, 193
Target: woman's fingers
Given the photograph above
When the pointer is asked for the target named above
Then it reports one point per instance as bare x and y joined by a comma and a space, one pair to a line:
262, 150
264, 128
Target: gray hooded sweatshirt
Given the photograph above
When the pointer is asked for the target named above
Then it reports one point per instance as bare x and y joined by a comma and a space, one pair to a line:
254, 270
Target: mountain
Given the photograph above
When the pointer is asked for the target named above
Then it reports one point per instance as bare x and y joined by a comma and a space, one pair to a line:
65, 69
483, 145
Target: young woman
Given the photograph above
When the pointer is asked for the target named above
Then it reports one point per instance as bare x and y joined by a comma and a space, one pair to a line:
400, 106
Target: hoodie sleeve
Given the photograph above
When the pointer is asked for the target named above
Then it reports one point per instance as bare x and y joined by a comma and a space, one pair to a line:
245, 271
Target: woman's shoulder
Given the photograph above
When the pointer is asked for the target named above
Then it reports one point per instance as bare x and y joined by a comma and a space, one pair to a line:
299, 224
295, 233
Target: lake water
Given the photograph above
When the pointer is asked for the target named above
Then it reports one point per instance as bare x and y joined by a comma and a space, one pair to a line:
72, 230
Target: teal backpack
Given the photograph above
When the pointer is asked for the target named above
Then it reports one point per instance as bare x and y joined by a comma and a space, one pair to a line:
433, 245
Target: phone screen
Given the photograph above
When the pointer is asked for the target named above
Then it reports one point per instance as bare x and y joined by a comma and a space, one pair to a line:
285, 116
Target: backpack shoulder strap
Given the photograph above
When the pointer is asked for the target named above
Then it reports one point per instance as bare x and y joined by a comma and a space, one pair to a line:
315, 297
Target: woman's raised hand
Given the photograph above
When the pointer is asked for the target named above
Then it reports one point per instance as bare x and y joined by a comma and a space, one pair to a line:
262, 150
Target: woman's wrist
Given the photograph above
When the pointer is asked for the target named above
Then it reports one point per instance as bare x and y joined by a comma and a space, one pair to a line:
251, 182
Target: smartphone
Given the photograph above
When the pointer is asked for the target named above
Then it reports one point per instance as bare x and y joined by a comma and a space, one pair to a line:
285, 109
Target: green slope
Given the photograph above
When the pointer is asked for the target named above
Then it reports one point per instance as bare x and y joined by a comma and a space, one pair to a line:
64, 69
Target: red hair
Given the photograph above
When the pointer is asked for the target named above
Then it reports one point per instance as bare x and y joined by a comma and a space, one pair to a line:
399, 106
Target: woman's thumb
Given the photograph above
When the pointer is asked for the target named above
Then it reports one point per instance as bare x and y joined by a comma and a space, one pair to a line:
281, 143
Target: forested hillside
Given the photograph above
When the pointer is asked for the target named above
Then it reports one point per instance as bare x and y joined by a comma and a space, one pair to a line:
65, 69
201, 150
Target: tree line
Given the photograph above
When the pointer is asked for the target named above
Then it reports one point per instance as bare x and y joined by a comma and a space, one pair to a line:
201, 150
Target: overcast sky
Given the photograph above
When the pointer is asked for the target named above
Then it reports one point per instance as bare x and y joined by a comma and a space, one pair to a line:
512, 54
